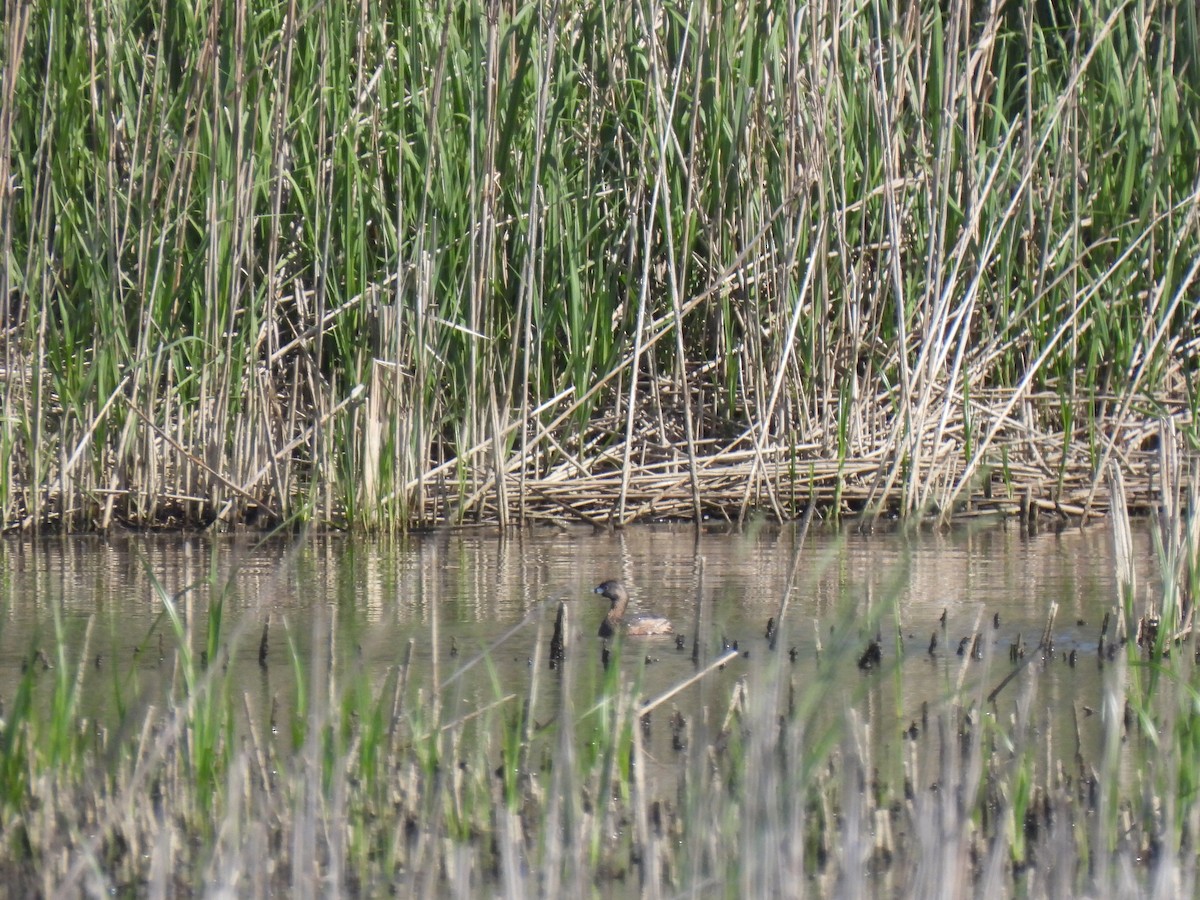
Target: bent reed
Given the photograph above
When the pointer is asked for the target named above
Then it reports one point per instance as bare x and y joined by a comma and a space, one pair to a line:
380, 267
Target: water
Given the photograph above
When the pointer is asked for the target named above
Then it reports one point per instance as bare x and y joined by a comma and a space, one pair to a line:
450, 596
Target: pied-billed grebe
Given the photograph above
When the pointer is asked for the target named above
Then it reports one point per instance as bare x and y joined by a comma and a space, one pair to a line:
615, 592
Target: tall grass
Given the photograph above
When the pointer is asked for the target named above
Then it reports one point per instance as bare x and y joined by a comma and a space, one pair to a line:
384, 265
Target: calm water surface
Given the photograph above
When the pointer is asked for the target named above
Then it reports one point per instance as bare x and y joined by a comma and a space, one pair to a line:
450, 595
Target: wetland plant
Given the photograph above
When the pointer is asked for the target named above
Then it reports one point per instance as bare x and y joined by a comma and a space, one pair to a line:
365, 782
380, 266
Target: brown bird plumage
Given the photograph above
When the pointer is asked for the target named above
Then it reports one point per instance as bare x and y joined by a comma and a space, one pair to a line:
615, 618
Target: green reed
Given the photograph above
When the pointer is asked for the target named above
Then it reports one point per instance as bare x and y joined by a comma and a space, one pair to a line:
223, 220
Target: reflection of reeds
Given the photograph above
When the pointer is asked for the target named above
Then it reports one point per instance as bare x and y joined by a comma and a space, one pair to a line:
383, 268
781, 779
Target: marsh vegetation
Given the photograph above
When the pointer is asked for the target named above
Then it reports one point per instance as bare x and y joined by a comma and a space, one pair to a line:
295, 719
410, 267
383, 266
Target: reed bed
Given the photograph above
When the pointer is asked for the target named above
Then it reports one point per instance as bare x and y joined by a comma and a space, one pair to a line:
379, 266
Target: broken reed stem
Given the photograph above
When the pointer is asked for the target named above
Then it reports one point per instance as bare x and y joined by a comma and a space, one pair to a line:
698, 617
467, 717
1041, 648
560, 639
534, 612
1122, 536
651, 705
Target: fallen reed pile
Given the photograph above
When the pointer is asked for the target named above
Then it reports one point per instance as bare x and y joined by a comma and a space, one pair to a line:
606, 479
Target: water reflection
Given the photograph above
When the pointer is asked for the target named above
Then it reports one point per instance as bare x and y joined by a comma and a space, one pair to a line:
450, 595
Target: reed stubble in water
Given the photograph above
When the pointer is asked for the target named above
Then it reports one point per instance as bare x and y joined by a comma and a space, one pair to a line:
768, 776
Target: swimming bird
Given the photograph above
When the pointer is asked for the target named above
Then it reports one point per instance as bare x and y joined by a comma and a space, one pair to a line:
615, 618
